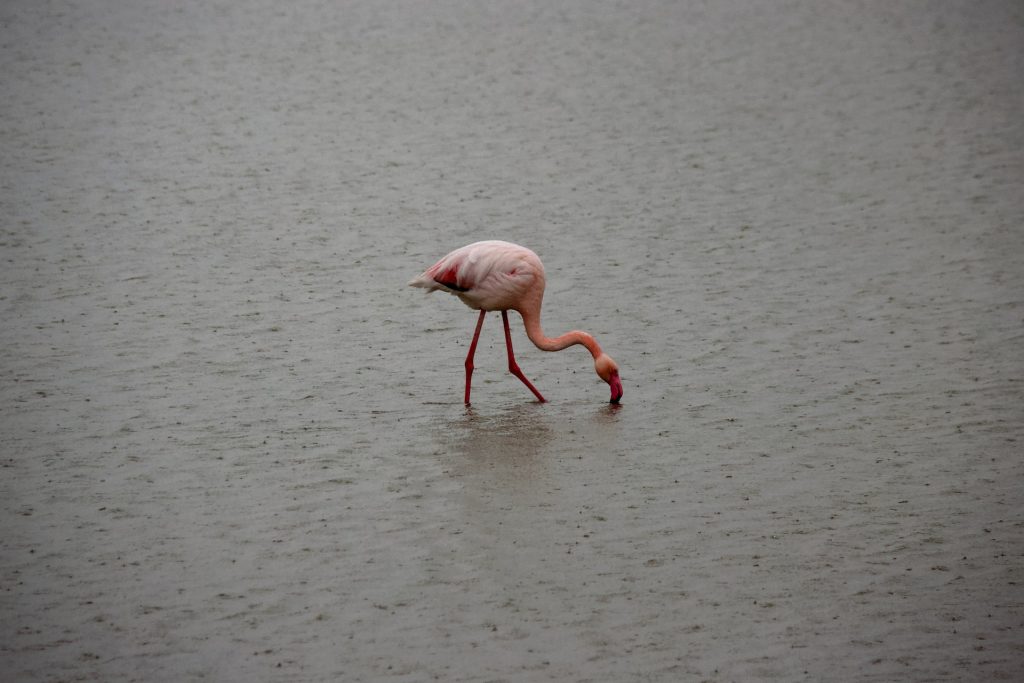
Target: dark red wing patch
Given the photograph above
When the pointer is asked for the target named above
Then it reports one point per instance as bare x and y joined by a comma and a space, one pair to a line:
449, 278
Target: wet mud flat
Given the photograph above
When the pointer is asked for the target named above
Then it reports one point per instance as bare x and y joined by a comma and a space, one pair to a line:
232, 441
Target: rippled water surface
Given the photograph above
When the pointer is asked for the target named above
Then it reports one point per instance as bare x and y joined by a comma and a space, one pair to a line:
233, 441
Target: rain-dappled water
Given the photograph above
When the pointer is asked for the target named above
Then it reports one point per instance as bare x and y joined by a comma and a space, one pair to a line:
233, 442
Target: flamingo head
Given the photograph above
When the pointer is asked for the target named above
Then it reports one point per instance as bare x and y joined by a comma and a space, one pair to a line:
609, 372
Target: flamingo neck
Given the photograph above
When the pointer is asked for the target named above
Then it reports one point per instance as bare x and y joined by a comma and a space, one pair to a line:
531, 319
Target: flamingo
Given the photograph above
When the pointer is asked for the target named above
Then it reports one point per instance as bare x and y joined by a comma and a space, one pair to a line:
501, 276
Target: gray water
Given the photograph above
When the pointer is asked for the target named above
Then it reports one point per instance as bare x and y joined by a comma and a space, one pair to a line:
233, 441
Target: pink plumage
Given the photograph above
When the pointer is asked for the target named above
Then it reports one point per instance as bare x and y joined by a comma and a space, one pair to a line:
501, 276
487, 276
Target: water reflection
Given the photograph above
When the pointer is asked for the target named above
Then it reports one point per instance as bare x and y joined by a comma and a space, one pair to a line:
502, 449
519, 431
609, 413
522, 445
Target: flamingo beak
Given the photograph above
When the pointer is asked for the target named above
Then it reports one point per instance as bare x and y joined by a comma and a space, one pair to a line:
616, 385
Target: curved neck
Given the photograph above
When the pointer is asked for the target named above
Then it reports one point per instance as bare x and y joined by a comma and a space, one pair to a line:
531, 319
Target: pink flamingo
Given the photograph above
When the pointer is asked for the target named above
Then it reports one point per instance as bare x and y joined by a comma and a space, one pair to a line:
501, 276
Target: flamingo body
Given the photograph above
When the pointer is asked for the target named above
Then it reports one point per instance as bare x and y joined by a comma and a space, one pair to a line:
501, 276
487, 276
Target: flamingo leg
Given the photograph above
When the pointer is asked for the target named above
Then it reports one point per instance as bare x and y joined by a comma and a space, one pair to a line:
472, 352
513, 367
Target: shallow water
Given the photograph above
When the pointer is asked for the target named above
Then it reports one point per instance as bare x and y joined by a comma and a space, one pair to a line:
233, 441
